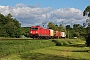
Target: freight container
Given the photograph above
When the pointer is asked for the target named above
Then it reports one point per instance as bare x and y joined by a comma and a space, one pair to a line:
57, 34
51, 32
63, 35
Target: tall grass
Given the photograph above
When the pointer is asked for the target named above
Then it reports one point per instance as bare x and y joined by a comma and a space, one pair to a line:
32, 49
8, 47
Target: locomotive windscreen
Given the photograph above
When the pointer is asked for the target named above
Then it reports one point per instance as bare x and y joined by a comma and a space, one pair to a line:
34, 28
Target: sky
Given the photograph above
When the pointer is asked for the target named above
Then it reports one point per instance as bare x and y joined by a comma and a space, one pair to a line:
36, 12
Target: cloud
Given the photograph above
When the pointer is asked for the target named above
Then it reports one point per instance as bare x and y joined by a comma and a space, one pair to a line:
34, 15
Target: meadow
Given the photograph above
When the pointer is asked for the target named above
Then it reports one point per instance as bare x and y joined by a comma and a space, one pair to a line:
61, 49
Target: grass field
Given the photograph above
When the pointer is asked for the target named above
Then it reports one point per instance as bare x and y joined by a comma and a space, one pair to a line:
62, 49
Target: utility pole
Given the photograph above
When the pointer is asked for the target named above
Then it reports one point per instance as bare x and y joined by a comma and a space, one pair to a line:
65, 30
72, 23
68, 34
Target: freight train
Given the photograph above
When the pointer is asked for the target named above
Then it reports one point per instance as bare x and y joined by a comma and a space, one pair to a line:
44, 33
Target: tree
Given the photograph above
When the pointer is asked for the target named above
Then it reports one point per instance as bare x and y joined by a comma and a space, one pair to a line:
68, 27
52, 26
87, 13
9, 27
25, 31
76, 34
2, 20
61, 28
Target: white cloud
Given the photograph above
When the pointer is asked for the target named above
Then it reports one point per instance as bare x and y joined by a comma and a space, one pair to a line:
34, 15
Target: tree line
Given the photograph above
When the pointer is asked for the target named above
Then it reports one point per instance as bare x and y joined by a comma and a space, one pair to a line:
78, 30
10, 27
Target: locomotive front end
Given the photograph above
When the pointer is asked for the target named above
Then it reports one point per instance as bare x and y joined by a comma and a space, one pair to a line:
34, 32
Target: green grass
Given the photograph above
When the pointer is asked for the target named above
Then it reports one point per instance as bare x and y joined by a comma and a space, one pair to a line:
62, 42
62, 49
8, 47
58, 53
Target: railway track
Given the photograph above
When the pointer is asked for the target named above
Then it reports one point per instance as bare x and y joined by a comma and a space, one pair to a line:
21, 39
16, 39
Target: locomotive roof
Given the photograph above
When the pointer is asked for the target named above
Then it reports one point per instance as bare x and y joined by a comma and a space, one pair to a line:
38, 26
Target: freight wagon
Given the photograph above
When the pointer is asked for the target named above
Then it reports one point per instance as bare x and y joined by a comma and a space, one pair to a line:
51, 34
63, 35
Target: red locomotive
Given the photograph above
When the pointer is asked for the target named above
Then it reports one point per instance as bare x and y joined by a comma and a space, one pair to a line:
44, 33
39, 32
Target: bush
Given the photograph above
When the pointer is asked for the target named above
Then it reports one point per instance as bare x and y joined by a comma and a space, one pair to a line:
63, 42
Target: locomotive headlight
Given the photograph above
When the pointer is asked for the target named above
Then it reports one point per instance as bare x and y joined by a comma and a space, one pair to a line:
36, 32
31, 32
